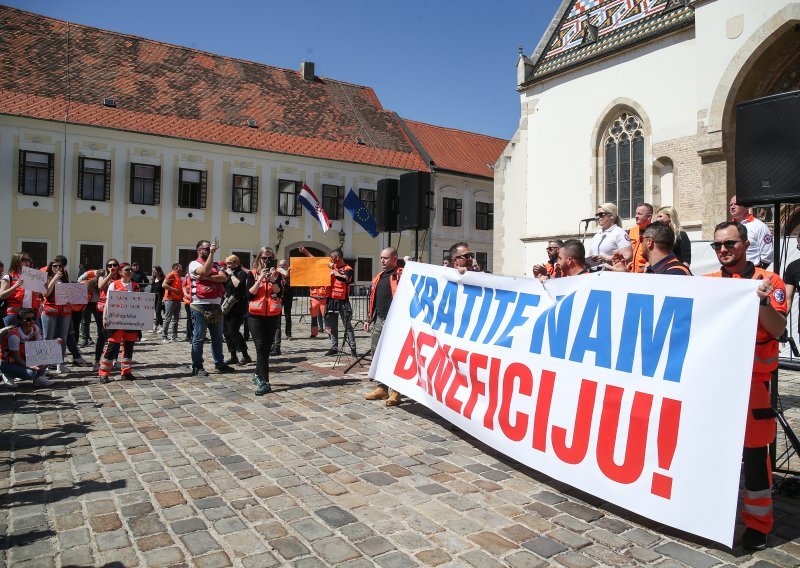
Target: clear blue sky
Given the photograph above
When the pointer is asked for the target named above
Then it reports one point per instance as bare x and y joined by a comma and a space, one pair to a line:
445, 62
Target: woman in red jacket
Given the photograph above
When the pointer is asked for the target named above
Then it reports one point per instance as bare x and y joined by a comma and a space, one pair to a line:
118, 337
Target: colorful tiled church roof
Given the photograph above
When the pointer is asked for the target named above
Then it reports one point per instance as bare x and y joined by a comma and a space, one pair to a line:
458, 151
619, 24
50, 68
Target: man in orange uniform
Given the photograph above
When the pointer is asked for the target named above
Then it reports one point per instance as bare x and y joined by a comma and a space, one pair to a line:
551, 268
643, 216
731, 244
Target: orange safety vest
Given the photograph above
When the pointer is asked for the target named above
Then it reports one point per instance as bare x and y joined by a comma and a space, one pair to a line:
173, 280
638, 262
393, 280
765, 358
101, 302
206, 290
339, 288
7, 353
319, 292
263, 303
553, 270
50, 306
16, 300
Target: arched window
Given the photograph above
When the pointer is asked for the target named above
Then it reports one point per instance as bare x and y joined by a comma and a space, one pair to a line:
624, 163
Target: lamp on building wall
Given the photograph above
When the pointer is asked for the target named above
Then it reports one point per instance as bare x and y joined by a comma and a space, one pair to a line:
279, 230
342, 235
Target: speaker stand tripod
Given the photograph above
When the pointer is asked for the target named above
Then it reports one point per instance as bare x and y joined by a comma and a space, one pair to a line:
347, 322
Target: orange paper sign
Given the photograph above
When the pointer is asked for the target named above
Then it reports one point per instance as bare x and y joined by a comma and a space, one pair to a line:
310, 271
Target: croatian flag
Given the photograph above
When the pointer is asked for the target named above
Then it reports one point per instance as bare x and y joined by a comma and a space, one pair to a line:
311, 203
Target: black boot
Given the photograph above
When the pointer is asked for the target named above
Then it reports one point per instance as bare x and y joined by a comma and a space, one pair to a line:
246, 359
263, 387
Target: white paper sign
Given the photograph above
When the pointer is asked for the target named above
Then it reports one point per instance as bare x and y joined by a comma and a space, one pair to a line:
623, 385
70, 293
34, 280
46, 352
129, 310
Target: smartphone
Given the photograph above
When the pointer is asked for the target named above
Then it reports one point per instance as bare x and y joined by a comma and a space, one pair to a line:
272, 263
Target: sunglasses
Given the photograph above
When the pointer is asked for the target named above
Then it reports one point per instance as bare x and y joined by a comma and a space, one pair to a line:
127, 269
727, 244
112, 265
601, 215
552, 248
26, 320
266, 257
466, 256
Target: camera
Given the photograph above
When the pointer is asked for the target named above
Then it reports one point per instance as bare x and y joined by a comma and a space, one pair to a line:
272, 262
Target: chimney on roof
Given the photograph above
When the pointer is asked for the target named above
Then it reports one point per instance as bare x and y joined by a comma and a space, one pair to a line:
307, 70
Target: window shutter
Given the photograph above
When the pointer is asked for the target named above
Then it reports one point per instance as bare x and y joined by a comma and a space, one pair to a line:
21, 180
254, 195
340, 212
156, 185
51, 171
80, 177
107, 173
131, 179
203, 186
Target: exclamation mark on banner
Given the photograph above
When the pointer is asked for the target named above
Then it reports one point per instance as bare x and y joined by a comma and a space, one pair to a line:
668, 425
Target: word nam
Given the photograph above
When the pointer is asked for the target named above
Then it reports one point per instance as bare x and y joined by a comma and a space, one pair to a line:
485, 309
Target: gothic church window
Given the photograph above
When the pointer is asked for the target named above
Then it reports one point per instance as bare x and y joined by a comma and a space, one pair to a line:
623, 150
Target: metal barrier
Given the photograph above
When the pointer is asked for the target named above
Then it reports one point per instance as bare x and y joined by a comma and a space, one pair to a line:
359, 300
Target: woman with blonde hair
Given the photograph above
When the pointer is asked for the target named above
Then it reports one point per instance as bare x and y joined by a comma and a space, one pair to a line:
611, 237
683, 246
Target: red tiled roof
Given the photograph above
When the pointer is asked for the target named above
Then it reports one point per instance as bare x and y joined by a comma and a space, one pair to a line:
457, 150
167, 90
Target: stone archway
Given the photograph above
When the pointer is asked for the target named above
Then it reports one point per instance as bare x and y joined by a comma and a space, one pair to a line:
768, 63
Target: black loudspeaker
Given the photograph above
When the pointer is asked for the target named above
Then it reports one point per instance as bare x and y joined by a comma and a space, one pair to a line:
768, 150
415, 200
386, 205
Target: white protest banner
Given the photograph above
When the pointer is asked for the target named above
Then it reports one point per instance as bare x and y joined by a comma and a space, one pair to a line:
34, 280
70, 293
129, 310
47, 352
626, 386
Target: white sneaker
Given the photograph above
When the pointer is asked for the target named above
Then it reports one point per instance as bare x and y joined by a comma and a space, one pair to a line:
81, 361
42, 382
165, 340
6, 382
62, 368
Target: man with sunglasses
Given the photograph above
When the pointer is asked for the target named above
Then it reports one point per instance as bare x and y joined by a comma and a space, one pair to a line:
13, 365
207, 289
656, 245
551, 268
761, 250
463, 259
731, 245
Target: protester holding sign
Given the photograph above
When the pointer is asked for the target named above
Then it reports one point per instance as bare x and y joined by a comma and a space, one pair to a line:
56, 320
731, 245
12, 289
118, 337
339, 303
14, 365
103, 282
264, 284
384, 286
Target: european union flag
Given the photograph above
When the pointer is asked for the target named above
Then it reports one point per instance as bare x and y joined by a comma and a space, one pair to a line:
361, 214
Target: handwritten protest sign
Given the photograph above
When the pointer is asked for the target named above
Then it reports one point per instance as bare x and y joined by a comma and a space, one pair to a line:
34, 280
70, 293
610, 382
47, 352
310, 271
129, 310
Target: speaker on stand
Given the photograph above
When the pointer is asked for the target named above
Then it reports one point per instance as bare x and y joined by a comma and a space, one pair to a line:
767, 171
386, 215
414, 205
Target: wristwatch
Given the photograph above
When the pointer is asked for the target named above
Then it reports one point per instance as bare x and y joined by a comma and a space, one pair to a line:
764, 301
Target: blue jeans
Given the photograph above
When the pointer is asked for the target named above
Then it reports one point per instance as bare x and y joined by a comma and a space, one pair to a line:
15, 371
57, 327
199, 326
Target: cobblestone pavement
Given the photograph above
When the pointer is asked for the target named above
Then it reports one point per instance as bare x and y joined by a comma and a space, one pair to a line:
172, 470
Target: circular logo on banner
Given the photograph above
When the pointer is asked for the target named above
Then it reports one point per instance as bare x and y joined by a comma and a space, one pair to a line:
779, 295
768, 238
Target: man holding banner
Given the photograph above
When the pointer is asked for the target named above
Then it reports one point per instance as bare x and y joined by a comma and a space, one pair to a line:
384, 285
731, 245
339, 303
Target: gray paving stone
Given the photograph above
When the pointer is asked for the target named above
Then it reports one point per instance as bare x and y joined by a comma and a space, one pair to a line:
544, 547
199, 542
335, 550
311, 530
289, 547
687, 555
395, 560
335, 517
188, 525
